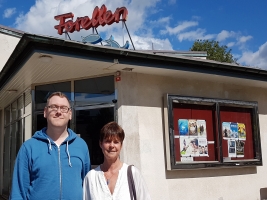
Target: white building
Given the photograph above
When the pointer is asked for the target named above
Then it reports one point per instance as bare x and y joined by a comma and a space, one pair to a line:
147, 94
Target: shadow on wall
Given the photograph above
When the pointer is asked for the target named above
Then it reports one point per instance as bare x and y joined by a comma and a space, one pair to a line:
263, 193
199, 173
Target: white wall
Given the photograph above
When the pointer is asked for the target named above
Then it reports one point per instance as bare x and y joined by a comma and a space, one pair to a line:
140, 101
8, 44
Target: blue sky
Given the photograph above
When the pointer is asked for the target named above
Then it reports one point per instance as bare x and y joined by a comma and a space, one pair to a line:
168, 24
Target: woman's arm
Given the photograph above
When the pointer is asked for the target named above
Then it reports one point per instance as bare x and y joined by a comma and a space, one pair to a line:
86, 188
140, 185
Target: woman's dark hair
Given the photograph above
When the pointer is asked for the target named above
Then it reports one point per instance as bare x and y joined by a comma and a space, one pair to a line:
111, 131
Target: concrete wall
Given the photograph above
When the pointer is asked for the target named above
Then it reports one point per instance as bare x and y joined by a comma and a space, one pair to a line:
140, 102
8, 44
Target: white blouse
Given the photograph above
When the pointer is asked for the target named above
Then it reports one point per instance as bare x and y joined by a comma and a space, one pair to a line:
95, 186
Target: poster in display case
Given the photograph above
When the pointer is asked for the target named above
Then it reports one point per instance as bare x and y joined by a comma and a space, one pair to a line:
206, 133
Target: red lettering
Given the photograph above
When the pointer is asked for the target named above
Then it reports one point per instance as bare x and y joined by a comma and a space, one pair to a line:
86, 23
121, 11
102, 12
95, 22
62, 19
78, 24
70, 26
109, 18
99, 17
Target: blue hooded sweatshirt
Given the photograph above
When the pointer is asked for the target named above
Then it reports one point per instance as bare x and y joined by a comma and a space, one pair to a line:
45, 171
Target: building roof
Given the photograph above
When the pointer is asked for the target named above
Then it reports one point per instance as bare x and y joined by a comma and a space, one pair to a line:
202, 54
11, 31
31, 46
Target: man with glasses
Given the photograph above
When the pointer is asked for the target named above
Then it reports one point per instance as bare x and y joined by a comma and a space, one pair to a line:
53, 163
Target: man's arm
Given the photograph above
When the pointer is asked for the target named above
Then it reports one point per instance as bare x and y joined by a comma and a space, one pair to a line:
21, 176
87, 164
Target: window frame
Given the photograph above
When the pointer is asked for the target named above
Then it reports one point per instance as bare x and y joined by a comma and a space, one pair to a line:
171, 162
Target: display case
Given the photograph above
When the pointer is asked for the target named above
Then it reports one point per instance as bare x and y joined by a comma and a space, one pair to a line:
205, 132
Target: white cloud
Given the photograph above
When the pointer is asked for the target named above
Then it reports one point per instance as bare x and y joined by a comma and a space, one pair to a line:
161, 21
195, 35
244, 39
40, 18
223, 35
145, 43
171, 2
255, 59
181, 27
230, 44
189, 31
9, 12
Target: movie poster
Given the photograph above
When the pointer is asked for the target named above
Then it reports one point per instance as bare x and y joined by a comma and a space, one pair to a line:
183, 126
240, 146
201, 128
226, 130
231, 148
203, 147
241, 131
192, 127
234, 130
189, 146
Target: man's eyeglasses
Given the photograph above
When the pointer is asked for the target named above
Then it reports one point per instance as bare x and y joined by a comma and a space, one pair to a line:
63, 109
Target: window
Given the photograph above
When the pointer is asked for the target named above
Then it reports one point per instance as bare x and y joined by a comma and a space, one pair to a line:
42, 92
15, 121
202, 132
94, 90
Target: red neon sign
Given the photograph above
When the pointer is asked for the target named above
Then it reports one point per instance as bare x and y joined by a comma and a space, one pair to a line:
99, 17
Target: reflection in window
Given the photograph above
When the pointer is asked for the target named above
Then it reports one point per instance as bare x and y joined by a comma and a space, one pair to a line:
7, 115
13, 136
27, 102
20, 106
13, 152
14, 111
7, 173
42, 92
95, 90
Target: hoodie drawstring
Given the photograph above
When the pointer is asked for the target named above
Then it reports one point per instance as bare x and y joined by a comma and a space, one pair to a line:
68, 153
67, 149
49, 143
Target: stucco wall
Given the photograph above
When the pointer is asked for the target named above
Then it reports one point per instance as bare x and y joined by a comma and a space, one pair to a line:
140, 102
8, 44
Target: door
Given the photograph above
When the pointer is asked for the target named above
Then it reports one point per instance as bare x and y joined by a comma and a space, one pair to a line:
88, 123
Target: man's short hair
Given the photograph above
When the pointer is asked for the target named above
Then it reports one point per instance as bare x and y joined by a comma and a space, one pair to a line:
59, 94
112, 131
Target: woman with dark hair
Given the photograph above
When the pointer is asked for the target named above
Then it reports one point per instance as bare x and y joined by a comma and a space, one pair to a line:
110, 179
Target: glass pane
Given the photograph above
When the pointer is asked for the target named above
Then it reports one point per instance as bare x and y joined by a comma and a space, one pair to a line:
237, 133
28, 127
7, 115
20, 107
42, 92
19, 136
7, 173
88, 126
95, 90
14, 111
13, 151
41, 122
27, 103
194, 127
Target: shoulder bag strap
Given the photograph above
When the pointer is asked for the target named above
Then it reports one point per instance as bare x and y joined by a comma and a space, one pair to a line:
131, 183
